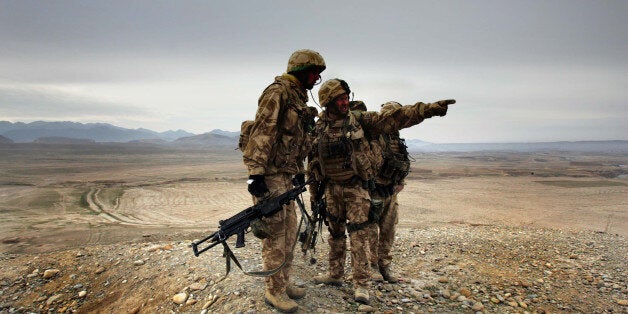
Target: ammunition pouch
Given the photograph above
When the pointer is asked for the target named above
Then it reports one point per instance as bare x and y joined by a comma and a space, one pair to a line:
395, 168
340, 148
260, 229
376, 210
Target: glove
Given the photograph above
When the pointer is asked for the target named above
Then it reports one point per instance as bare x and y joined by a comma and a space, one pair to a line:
299, 179
257, 185
438, 108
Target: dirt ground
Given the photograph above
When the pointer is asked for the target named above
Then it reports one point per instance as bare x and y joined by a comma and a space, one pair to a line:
484, 226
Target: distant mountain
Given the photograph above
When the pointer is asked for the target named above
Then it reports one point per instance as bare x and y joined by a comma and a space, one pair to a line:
579, 146
416, 144
4, 140
100, 132
207, 140
63, 140
173, 135
225, 133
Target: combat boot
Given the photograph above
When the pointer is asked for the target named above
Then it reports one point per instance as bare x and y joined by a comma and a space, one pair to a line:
281, 302
361, 295
375, 275
328, 280
387, 274
295, 292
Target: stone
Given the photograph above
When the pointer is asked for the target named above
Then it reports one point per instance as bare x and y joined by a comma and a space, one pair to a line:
198, 286
180, 298
365, 308
49, 273
477, 306
53, 299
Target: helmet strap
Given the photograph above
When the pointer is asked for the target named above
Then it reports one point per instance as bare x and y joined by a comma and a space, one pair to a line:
314, 100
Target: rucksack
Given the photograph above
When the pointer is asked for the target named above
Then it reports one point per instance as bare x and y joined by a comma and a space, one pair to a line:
245, 134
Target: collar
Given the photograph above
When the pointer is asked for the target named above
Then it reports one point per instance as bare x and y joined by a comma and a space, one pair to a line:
293, 79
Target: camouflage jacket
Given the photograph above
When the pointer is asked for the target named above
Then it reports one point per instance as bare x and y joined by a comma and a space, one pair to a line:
279, 139
373, 123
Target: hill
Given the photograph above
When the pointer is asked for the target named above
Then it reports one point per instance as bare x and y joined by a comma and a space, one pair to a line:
63, 140
20, 132
4, 140
207, 140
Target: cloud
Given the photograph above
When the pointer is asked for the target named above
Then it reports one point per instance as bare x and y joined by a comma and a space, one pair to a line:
36, 102
516, 69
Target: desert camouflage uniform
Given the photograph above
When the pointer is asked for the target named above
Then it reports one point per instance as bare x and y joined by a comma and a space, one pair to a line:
278, 145
346, 189
382, 233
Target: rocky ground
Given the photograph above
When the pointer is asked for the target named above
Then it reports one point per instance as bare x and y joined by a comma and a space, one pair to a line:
445, 268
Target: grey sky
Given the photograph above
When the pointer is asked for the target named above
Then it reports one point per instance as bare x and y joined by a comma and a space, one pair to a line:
520, 70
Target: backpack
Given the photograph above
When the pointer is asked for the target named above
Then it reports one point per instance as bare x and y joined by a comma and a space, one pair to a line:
396, 166
245, 133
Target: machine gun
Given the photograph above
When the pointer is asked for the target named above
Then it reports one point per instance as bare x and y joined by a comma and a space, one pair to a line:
239, 223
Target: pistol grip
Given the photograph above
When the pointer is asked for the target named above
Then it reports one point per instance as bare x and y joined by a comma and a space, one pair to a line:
240, 240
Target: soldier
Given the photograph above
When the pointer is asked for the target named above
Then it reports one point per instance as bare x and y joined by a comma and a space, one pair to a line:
395, 165
342, 161
278, 143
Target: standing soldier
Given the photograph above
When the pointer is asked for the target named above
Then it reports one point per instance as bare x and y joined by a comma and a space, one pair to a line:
395, 165
279, 141
342, 161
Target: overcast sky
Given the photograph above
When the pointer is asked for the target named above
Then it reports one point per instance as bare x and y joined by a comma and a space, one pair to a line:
521, 71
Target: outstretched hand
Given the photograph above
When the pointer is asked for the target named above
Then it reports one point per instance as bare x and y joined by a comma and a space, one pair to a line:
446, 102
439, 108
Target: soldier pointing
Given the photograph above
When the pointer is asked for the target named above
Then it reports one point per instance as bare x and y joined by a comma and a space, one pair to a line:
343, 164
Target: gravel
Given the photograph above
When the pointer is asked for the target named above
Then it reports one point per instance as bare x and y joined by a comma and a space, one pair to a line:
444, 268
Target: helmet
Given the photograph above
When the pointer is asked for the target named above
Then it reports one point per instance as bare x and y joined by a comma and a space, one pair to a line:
332, 89
357, 105
304, 59
389, 106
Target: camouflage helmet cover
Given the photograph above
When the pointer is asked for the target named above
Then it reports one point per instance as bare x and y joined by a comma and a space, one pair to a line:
332, 89
304, 59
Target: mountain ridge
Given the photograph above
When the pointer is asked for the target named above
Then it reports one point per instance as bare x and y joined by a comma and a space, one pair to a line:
20, 132
76, 132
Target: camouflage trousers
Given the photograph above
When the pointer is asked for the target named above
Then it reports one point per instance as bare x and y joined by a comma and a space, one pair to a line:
382, 234
348, 205
278, 246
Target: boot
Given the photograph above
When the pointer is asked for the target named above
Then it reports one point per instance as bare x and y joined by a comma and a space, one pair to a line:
295, 292
328, 280
361, 295
281, 302
375, 275
387, 274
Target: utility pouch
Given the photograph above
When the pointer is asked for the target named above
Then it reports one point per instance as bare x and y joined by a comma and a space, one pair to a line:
376, 210
260, 229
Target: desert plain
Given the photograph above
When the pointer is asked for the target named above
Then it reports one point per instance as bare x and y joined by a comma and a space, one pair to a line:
107, 227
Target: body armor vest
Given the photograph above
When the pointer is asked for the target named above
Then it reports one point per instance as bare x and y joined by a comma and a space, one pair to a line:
343, 150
